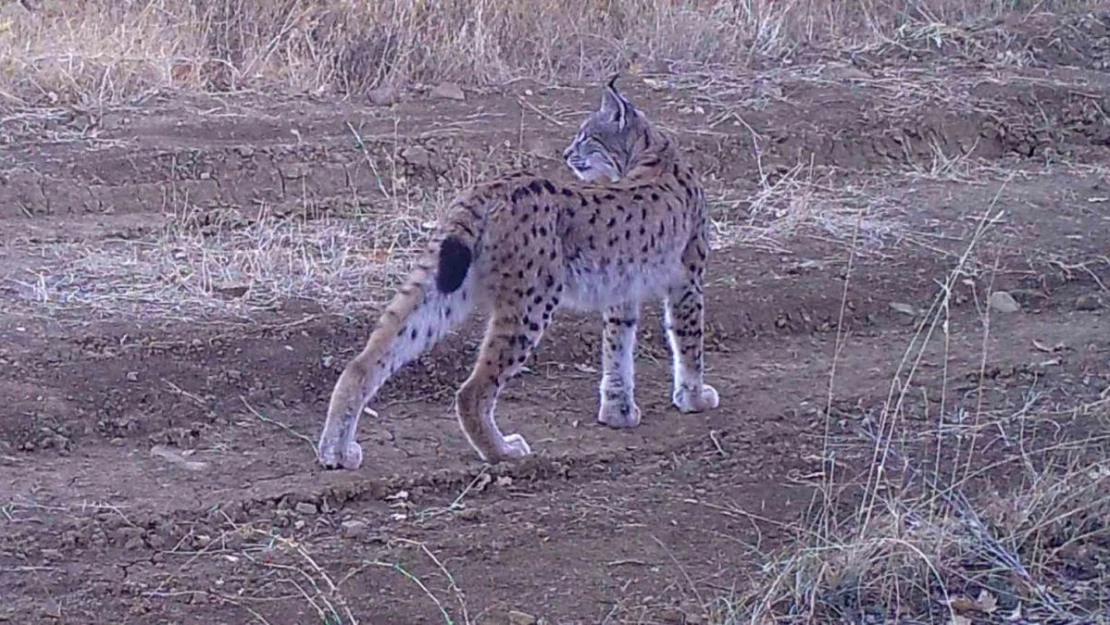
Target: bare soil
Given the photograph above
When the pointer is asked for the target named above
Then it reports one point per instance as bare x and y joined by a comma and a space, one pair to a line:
154, 465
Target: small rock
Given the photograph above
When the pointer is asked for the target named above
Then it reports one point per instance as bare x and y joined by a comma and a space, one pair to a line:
693, 613
1003, 302
133, 376
448, 91
417, 156
1028, 297
305, 507
354, 529
180, 459
156, 541
1088, 302
673, 616
384, 96
903, 308
231, 292
517, 617
468, 514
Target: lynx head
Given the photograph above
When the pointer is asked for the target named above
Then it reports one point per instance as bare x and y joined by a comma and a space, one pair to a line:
612, 140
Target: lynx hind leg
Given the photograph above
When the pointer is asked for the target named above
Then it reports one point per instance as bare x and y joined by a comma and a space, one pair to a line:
515, 329
359, 381
684, 318
399, 338
618, 401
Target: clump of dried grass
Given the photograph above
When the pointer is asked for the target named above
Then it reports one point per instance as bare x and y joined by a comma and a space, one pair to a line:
193, 270
924, 551
908, 544
104, 51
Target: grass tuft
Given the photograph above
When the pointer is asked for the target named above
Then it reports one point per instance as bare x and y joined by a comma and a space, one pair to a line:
900, 539
94, 52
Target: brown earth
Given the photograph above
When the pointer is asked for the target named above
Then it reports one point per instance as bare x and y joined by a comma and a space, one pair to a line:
153, 461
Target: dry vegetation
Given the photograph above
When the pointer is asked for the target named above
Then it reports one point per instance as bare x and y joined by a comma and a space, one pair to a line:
933, 528
912, 537
94, 52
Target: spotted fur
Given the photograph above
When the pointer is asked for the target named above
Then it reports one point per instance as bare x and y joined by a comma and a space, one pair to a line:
632, 228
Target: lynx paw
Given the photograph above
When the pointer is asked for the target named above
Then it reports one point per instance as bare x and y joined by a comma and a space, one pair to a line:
620, 413
690, 400
513, 446
351, 459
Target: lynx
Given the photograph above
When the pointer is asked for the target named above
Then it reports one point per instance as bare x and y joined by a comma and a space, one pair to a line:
633, 227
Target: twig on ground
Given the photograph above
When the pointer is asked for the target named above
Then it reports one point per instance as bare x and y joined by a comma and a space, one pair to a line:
263, 418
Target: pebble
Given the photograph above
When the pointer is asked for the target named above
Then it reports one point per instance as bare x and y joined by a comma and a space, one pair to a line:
517, 617
305, 507
448, 91
1088, 302
468, 514
905, 309
354, 529
384, 96
1003, 302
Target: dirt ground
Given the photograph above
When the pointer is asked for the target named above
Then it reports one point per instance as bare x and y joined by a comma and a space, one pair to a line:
156, 460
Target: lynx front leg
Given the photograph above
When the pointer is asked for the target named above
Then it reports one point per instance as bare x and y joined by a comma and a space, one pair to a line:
511, 336
684, 316
618, 402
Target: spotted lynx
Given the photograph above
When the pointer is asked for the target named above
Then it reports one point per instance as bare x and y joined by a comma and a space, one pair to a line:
634, 228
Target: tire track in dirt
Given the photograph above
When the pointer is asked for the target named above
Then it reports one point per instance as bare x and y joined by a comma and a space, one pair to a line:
331, 160
749, 357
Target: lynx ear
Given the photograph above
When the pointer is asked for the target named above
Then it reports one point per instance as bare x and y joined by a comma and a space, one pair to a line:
613, 104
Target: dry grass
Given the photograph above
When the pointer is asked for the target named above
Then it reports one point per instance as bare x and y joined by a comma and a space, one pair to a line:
264, 569
103, 51
918, 549
902, 538
294, 575
204, 266
190, 272
217, 265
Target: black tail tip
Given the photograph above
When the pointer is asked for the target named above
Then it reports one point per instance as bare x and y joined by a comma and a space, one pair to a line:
454, 262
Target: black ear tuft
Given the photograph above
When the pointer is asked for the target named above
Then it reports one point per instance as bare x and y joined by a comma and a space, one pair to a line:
613, 104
